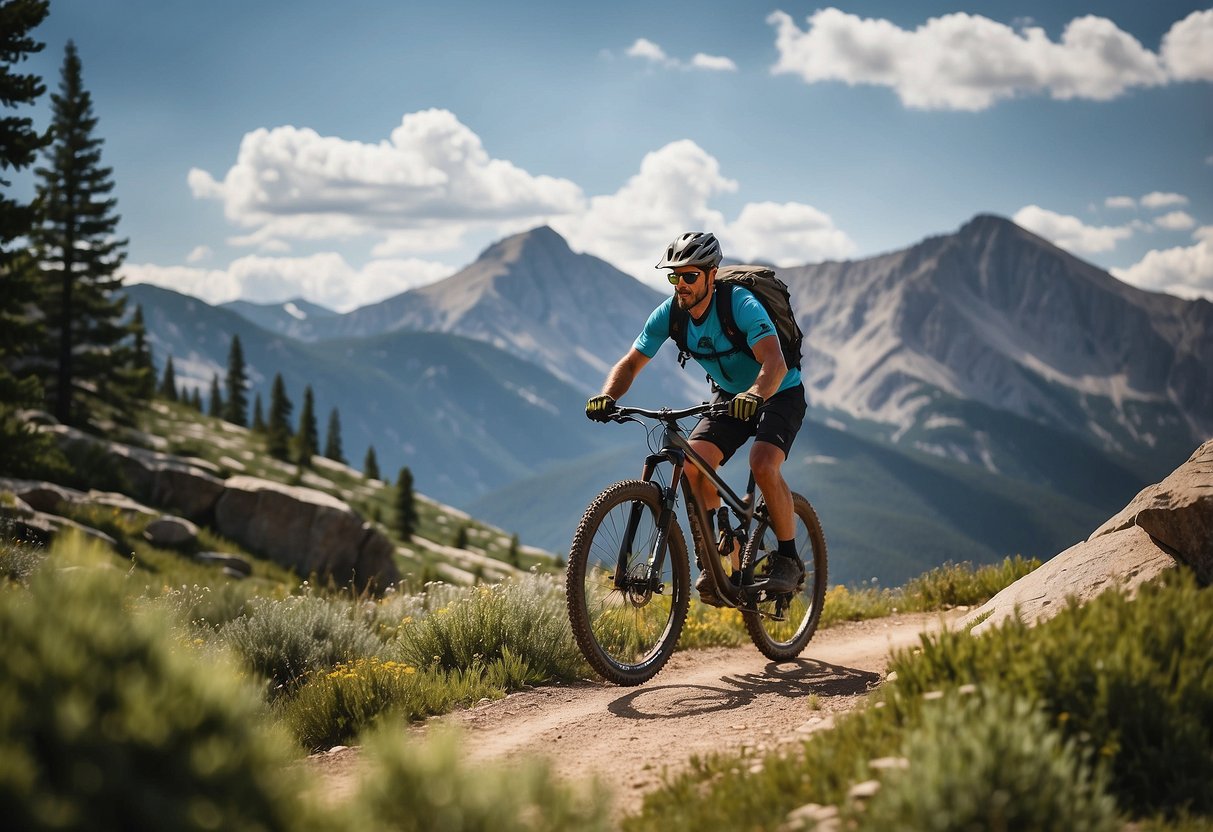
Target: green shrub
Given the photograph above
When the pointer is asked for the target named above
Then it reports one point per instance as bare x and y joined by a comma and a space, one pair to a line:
1132, 678
333, 707
526, 616
284, 640
958, 585
428, 787
17, 560
989, 763
106, 722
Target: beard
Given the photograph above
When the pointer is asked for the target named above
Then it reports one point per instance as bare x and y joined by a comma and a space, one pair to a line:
692, 296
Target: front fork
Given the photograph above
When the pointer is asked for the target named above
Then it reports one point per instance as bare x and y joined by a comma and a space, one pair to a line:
656, 559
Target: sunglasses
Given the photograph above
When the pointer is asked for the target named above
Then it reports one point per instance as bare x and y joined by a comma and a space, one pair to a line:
688, 278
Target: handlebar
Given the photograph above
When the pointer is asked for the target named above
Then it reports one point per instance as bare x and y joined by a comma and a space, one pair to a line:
667, 415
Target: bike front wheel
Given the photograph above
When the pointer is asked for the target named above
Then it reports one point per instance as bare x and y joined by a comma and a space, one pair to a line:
626, 616
781, 627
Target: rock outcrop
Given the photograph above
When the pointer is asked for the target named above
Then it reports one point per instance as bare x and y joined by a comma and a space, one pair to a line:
307, 530
1177, 512
302, 528
1168, 523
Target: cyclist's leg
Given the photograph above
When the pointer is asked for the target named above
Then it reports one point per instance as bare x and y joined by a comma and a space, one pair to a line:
766, 461
779, 421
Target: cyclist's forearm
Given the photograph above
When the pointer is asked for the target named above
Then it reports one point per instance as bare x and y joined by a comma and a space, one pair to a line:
620, 379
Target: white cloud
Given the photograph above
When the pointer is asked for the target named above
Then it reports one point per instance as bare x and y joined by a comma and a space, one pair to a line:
966, 62
1204, 234
1185, 271
199, 254
1120, 202
1187, 49
1069, 232
713, 62
292, 183
671, 194
1158, 199
646, 50
325, 278
1175, 221
788, 234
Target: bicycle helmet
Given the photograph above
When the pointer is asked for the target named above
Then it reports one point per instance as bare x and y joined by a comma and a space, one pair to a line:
695, 248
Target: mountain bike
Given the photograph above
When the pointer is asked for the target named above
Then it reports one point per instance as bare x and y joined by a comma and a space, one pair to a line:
628, 580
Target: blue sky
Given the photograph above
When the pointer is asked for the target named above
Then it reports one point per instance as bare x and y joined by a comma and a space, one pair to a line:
345, 152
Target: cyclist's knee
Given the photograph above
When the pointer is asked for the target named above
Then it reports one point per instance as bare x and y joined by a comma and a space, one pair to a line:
765, 461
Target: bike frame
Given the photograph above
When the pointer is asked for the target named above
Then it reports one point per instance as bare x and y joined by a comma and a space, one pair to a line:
677, 450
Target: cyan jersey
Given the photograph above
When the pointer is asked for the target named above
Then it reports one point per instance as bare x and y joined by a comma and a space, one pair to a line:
732, 373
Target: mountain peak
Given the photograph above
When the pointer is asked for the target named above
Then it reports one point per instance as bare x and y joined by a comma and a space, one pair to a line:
541, 238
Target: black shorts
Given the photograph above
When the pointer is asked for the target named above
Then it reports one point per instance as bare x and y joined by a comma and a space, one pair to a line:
778, 422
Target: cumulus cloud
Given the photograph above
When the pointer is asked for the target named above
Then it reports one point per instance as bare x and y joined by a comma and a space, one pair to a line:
1187, 48
646, 50
1069, 232
717, 63
1183, 271
293, 183
671, 194
968, 62
1120, 202
1175, 221
324, 278
1158, 199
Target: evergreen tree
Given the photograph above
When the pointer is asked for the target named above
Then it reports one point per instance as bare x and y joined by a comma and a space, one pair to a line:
513, 555
235, 409
461, 537
278, 428
216, 401
258, 417
332, 438
144, 365
196, 399
168, 383
307, 439
86, 359
370, 465
20, 331
406, 506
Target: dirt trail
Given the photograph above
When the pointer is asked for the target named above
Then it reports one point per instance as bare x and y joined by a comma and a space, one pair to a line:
703, 701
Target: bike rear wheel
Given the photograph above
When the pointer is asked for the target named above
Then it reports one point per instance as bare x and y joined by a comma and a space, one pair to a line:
781, 640
626, 620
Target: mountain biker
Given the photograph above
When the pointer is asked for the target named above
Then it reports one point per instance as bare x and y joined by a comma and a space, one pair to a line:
765, 399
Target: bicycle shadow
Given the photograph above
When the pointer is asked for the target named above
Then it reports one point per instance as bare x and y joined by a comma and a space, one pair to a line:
798, 678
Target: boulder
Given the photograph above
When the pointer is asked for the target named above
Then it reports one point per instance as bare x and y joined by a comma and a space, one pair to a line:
171, 532
230, 563
1124, 559
42, 496
1177, 512
304, 529
187, 485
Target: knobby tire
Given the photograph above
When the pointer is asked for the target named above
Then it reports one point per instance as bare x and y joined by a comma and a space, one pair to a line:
624, 638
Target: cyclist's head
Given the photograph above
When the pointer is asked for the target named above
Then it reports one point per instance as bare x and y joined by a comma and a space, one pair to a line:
695, 248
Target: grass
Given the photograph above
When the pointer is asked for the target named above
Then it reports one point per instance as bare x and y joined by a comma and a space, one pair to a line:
1127, 686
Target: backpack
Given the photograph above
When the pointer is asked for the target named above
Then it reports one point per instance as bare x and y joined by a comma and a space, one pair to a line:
771, 292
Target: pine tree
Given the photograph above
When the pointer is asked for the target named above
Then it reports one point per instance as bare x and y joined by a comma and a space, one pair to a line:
406, 506
278, 428
20, 331
235, 409
168, 383
513, 555
370, 465
144, 365
196, 399
86, 360
215, 407
332, 438
258, 417
307, 439
461, 537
